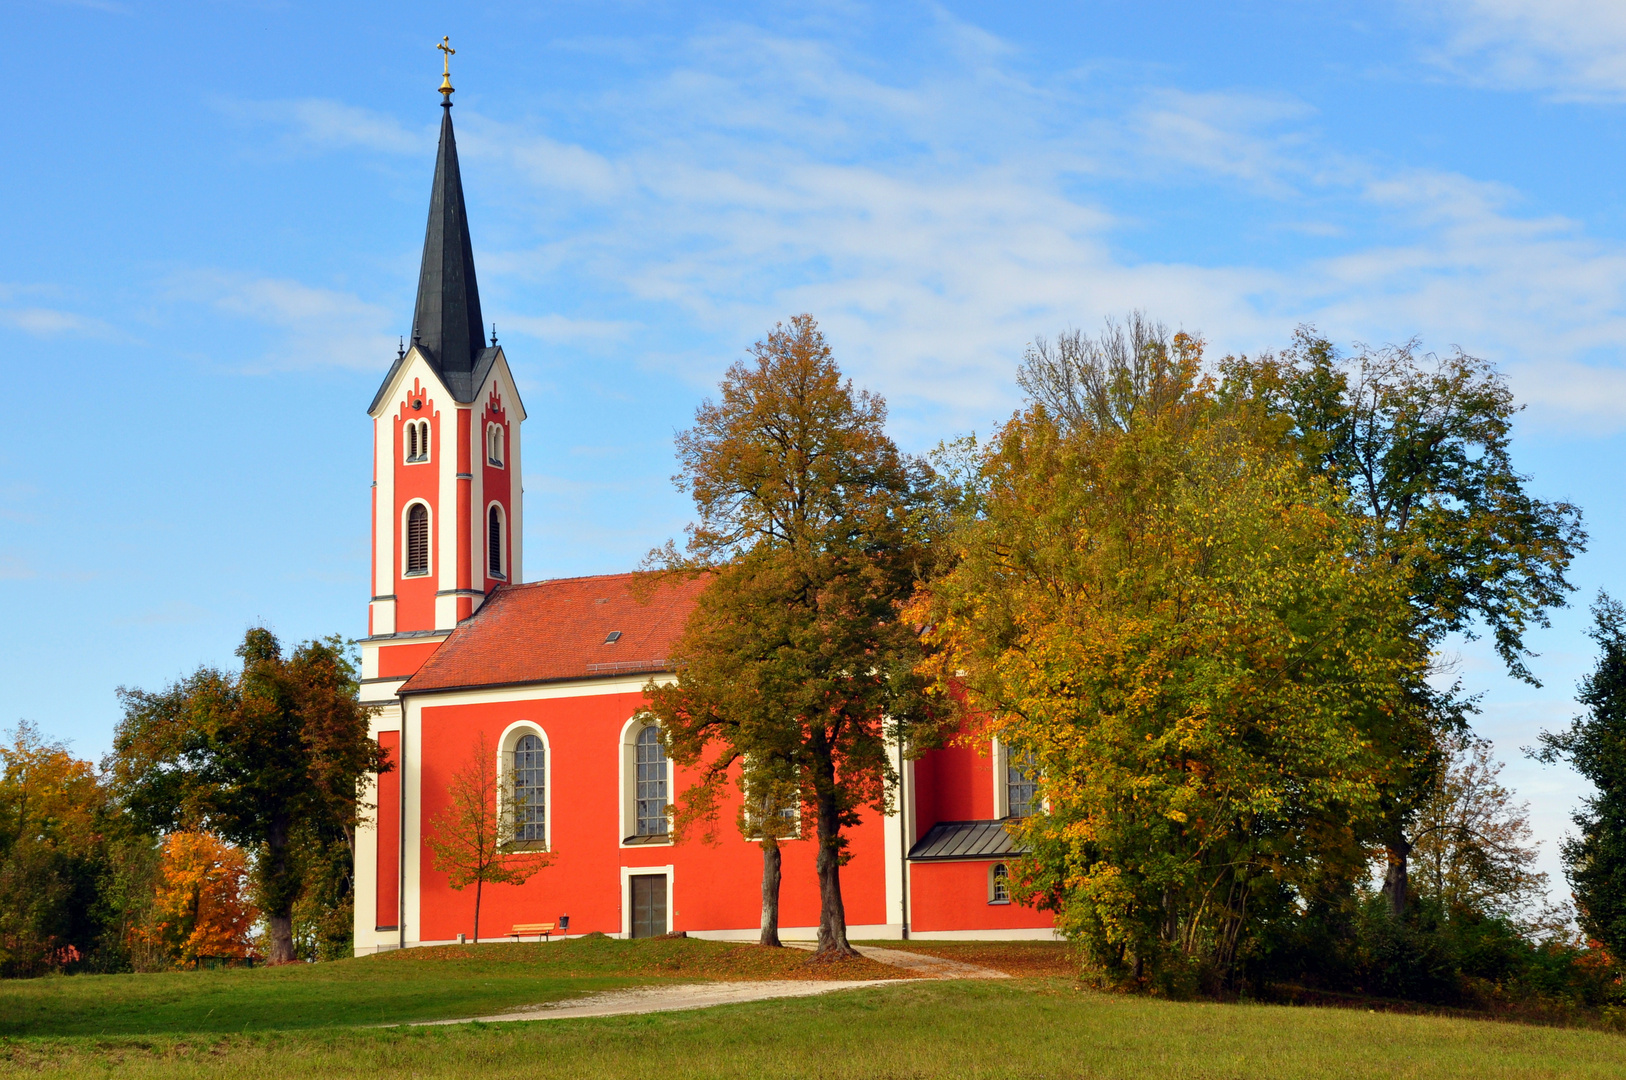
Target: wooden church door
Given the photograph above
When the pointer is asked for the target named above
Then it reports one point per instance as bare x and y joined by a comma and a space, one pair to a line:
648, 905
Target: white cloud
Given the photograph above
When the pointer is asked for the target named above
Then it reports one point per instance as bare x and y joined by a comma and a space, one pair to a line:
318, 327
50, 322
935, 226
559, 328
15, 567
331, 125
787, 183
1570, 49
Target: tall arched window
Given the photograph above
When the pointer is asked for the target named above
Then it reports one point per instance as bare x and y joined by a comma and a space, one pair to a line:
494, 444
530, 779
417, 539
651, 779
494, 540
1021, 774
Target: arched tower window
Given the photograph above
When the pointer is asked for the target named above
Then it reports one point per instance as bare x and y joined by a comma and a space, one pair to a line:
494, 444
530, 790
417, 440
651, 780
1021, 773
417, 539
494, 541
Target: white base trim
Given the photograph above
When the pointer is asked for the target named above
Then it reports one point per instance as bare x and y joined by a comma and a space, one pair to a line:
871, 932
1037, 933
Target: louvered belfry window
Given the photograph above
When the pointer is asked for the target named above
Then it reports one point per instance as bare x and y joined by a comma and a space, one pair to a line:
417, 436
494, 540
417, 539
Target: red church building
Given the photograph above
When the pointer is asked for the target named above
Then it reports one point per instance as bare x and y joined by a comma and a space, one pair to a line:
551, 674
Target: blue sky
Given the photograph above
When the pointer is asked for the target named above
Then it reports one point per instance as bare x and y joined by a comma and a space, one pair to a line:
215, 213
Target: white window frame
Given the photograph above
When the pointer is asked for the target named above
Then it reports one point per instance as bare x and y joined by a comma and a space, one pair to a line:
495, 457
993, 876
506, 745
502, 541
423, 429
1001, 755
429, 546
629, 792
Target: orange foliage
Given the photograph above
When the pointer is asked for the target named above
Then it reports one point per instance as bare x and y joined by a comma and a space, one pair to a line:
201, 905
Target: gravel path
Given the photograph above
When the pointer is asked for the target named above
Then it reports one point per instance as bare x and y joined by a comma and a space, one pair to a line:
650, 999
668, 999
928, 967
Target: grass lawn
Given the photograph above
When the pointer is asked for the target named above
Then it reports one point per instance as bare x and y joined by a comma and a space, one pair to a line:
1035, 1026
415, 984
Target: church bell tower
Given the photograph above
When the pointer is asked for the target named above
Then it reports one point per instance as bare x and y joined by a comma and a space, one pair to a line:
446, 452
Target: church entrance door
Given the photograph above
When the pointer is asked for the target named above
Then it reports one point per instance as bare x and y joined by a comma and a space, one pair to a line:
648, 905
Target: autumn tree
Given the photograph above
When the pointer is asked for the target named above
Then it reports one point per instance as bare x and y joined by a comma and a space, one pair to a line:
795, 664
53, 855
1594, 745
202, 907
472, 841
259, 757
1472, 841
1158, 602
1421, 445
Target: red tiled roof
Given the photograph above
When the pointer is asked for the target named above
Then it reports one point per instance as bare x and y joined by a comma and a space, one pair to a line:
552, 630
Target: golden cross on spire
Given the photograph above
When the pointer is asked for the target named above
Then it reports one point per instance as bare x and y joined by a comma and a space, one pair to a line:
445, 47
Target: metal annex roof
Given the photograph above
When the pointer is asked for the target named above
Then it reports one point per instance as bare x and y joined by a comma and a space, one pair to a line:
966, 840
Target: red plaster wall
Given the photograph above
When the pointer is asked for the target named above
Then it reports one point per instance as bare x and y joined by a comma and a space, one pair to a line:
415, 596
714, 887
402, 661
389, 832
955, 783
954, 896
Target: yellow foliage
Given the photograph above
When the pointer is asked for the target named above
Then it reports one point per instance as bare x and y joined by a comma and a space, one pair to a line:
1175, 618
201, 904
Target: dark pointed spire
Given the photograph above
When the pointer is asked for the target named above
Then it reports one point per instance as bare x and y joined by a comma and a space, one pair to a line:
446, 322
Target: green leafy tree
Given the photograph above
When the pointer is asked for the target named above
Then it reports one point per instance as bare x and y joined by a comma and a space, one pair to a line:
1421, 444
795, 663
1594, 745
472, 840
258, 757
1156, 600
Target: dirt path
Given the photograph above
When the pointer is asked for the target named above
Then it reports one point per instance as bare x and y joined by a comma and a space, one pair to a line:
928, 967
650, 999
668, 999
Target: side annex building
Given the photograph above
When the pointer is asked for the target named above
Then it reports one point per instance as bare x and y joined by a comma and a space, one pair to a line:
548, 676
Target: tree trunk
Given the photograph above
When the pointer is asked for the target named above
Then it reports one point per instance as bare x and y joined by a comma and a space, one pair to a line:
771, 858
282, 938
279, 888
832, 913
479, 884
1394, 876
